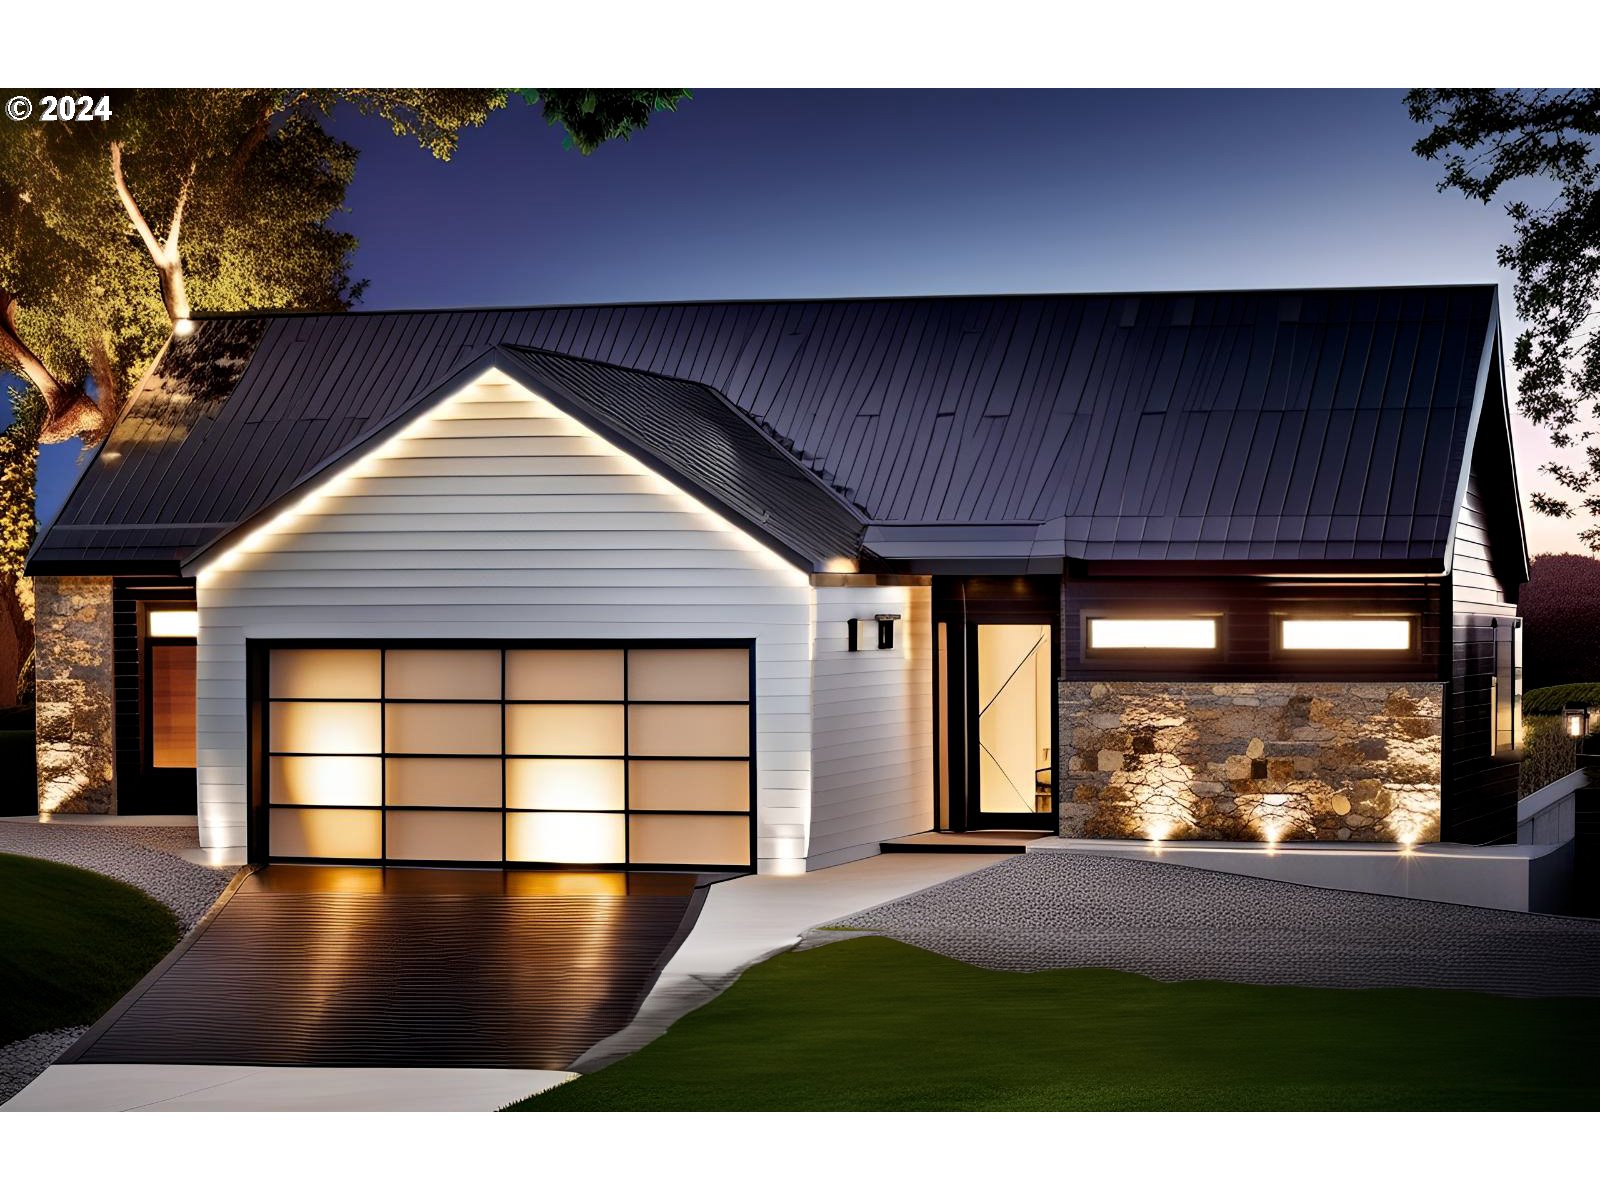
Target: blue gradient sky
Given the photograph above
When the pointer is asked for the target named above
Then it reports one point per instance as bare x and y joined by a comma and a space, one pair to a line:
792, 193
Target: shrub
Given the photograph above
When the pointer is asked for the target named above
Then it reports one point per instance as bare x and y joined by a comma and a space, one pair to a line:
1549, 701
1547, 753
1560, 606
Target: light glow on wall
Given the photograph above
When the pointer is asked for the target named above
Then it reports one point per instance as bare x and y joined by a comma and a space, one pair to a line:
1356, 633
1127, 633
173, 623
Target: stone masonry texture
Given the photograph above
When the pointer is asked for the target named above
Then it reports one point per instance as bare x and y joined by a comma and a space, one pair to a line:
1251, 761
74, 693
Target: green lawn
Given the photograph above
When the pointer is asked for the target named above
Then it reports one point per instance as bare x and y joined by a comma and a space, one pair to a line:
871, 1023
71, 943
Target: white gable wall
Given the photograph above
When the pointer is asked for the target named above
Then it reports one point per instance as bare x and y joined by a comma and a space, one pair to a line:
872, 723
495, 516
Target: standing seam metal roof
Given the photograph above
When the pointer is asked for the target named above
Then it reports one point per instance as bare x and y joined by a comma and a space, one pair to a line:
1268, 426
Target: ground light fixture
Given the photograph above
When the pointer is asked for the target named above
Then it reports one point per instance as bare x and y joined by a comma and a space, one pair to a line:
1575, 720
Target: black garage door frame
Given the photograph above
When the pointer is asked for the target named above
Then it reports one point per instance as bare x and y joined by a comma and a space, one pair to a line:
257, 655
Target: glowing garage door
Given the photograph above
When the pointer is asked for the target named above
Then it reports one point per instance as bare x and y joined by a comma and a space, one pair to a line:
612, 756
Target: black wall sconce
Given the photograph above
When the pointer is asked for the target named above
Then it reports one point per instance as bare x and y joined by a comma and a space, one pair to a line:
885, 630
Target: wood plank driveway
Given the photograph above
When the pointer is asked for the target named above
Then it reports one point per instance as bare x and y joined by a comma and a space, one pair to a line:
364, 966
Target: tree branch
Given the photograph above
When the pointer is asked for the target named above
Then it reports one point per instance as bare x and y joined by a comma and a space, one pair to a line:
168, 262
69, 410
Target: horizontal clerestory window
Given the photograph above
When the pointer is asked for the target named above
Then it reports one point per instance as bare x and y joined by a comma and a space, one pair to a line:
1339, 635
1152, 633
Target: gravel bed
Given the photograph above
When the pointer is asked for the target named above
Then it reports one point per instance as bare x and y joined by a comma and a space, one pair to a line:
1033, 912
21, 1061
144, 855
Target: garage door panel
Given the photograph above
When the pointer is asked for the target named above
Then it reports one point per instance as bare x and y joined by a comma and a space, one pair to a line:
689, 784
326, 833
601, 755
325, 674
441, 674
564, 674
324, 727
564, 729
685, 730
714, 673
450, 782
326, 779
566, 837
658, 838
566, 783
416, 728
443, 836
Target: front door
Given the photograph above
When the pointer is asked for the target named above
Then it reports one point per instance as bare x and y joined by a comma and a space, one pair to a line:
1010, 684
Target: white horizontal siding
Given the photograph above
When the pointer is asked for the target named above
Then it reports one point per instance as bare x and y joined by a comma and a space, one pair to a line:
498, 517
872, 723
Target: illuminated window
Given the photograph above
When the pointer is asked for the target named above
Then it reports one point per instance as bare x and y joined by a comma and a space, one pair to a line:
1345, 633
173, 623
1126, 633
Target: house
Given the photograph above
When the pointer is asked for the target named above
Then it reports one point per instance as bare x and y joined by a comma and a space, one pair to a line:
762, 584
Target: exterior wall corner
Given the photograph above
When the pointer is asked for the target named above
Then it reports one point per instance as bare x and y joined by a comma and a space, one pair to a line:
75, 689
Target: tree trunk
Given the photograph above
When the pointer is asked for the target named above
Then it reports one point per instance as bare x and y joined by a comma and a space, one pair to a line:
69, 410
16, 646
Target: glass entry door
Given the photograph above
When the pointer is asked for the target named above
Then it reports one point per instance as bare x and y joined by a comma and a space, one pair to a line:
1011, 732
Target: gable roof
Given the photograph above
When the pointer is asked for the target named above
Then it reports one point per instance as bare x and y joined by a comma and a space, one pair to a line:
683, 431
1280, 427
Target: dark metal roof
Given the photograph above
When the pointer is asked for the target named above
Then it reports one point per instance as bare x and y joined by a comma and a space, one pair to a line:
1274, 426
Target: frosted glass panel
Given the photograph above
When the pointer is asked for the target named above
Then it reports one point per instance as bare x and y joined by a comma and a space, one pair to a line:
564, 675
670, 729
442, 728
1014, 726
708, 786
564, 729
454, 782
562, 837
573, 783
689, 674
330, 674
326, 833
442, 675
325, 728
692, 841
324, 780
445, 836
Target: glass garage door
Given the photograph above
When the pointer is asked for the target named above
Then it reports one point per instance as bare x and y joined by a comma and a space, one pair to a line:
607, 756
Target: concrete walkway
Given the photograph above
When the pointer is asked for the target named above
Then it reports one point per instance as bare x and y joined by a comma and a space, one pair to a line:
748, 919
108, 1087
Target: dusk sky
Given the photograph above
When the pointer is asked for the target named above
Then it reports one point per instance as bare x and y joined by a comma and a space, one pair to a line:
795, 193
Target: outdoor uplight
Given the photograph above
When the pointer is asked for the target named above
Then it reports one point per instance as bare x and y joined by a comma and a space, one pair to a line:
1575, 717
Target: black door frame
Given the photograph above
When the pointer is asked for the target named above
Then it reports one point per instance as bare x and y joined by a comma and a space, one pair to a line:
960, 606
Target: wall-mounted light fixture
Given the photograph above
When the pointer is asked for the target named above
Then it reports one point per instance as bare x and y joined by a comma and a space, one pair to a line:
1575, 720
885, 630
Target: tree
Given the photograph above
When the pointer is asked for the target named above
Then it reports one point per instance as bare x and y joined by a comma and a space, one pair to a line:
112, 233
1560, 606
1490, 140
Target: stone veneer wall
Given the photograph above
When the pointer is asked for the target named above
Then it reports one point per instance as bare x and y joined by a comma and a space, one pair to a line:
1242, 761
75, 696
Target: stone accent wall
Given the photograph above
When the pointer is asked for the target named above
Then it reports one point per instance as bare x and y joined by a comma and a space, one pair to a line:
1251, 761
75, 696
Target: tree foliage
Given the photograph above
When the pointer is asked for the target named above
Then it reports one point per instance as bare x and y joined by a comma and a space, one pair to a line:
1560, 606
112, 232
1490, 140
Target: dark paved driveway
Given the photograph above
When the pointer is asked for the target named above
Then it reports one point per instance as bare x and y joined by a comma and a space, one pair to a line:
356, 966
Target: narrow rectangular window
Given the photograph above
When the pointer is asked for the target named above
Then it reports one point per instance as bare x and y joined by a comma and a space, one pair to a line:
1137, 633
1339, 635
170, 685
1506, 687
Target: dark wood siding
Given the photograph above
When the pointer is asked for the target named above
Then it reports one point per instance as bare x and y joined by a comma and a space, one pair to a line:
1480, 788
1248, 608
139, 788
